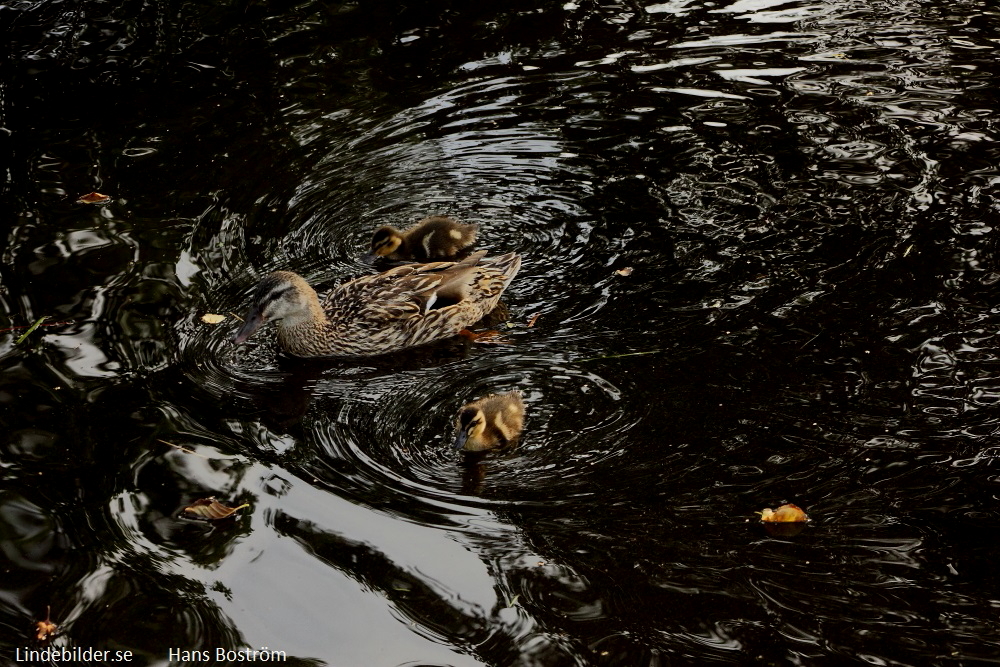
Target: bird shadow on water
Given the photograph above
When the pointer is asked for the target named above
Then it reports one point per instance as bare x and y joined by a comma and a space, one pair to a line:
282, 395
475, 468
282, 401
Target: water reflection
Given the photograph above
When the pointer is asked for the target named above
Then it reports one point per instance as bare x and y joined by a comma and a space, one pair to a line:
804, 194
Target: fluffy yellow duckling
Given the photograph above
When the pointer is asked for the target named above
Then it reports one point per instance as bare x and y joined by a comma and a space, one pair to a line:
492, 421
436, 237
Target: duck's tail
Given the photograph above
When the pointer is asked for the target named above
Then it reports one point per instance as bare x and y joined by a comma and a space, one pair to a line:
508, 265
495, 274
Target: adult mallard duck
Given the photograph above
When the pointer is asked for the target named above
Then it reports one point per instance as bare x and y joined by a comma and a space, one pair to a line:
492, 421
436, 237
400, 308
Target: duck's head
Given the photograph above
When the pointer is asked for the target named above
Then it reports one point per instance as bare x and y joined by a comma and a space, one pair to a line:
281, 295
385, 241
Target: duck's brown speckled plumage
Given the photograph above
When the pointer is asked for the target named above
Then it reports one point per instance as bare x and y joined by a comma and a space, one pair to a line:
400, 308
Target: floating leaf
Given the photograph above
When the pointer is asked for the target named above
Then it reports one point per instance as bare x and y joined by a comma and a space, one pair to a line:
625, 272
533, 319
212, 318
785, 514
45, 629
211, 509
34, 326
93, 198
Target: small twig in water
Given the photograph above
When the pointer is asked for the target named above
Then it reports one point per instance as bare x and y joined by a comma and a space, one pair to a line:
811, 339
236, 316
34, 326
617, 356
183, 449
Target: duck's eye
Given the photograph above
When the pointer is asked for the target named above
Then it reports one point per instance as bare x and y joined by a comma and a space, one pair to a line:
277, 293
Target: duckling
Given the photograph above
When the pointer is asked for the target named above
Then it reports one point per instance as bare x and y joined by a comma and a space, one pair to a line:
436, 237
403, 307
492, 421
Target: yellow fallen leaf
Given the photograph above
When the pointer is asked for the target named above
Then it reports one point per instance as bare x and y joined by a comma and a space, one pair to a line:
212, 318
45, 629
785, 514
625, 272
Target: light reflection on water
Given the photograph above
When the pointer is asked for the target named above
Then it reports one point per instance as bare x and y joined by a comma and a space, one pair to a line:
804, 194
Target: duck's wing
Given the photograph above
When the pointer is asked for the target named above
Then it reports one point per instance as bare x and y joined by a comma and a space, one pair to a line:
408, 291
474, 279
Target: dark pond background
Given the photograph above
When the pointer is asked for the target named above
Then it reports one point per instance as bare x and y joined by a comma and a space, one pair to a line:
805, 190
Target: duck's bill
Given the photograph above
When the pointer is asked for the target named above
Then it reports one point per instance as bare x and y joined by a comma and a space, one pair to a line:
460, 438
254, 319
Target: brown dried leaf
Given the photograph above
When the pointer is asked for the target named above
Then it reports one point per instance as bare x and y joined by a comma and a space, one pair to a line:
211, 509
785, 514
533, 319
212, 318
93, 198
45, 629
625, 272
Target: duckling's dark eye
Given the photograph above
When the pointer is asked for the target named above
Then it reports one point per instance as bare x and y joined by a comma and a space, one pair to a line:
473, 424
467, 419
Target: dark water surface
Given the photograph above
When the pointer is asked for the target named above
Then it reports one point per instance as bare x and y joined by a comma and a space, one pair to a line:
805, 191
